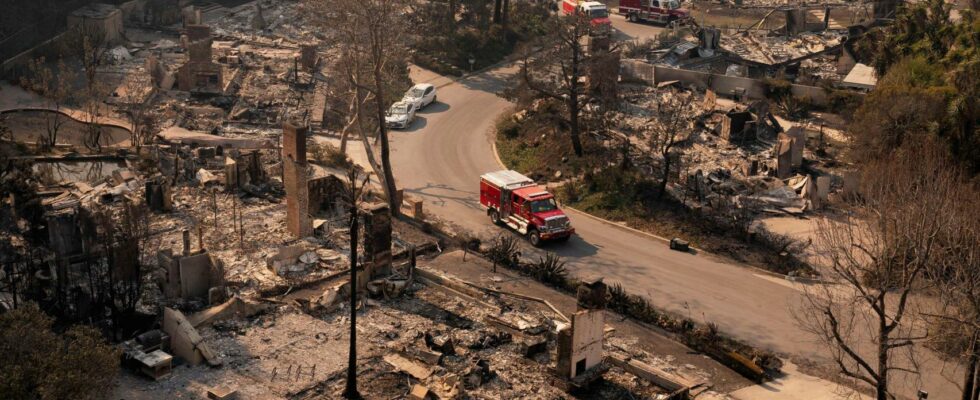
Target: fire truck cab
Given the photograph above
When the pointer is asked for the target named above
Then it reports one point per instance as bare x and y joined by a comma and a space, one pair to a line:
515, 200
660, 11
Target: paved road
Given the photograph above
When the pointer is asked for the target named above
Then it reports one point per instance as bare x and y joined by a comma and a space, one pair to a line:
442, 156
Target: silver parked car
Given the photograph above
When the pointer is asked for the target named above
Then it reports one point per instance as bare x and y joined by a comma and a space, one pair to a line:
400, 115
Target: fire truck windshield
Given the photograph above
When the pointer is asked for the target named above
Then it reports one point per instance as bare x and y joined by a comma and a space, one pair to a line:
599, 13
544, 205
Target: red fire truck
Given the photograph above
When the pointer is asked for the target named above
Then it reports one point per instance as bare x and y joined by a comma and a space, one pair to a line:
660, 11
515, 200
596, 11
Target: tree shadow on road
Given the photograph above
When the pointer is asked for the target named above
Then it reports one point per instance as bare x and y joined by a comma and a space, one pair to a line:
470, 199
622, 36
569, 251
573, 248
493, 81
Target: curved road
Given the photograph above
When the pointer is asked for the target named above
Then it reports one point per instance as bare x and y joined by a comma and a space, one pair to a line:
442, 156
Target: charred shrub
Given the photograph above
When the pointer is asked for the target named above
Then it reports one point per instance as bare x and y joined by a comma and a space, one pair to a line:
505, 251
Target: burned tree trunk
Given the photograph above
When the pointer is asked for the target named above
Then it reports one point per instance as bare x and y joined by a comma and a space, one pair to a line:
350, 391
573, 104
557, 72
970, 389
389, 179
354, 192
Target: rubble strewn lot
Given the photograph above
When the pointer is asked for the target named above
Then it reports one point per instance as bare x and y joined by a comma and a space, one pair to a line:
216, 253
432, 336
251, 308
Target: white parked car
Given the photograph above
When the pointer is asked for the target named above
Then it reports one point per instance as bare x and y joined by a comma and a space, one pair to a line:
421, 95
400, 115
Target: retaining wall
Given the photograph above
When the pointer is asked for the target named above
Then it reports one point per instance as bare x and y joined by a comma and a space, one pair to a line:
720, 84
51, 49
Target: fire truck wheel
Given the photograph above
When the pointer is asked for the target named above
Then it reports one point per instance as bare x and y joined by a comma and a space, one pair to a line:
631, 17
534, 237
495, 217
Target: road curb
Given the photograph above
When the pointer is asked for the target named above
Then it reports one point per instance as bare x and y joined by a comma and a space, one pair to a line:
496, 154
623, 226
796, 279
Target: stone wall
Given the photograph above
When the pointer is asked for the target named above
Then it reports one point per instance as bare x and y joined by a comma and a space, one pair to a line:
200, 72
377, 237
721, 84
295, 176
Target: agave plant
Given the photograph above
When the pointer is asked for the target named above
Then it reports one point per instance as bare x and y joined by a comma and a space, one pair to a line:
549, 269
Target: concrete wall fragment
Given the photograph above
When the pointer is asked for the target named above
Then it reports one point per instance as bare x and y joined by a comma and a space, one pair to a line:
232, 181
185, 341
159, 195
822, 190
580, 346
799, 144
195, 276
784, 158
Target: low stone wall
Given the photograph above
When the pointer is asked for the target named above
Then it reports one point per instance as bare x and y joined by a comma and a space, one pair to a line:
720, 84
50, 49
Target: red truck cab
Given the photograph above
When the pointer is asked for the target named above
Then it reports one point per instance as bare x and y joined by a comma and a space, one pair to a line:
515, 200
661, 11
597, 12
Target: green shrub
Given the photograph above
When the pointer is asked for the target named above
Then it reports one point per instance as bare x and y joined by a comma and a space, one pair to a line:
613, 188
41, 364
777, 89
329, 156
449, 53
843, 101
509, 128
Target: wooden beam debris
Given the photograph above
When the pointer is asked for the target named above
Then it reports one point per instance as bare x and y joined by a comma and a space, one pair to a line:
673, 383
416, 370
